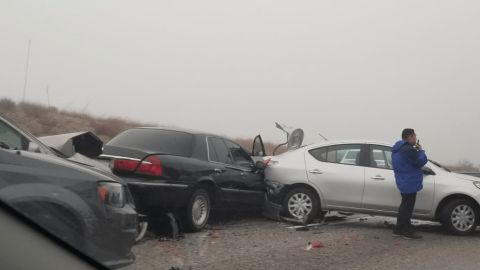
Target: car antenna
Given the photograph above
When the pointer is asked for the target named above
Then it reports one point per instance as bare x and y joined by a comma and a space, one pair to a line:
323, 137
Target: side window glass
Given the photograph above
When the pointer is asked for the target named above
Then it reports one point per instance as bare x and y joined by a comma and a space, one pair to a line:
212, 154
344, 154
381, 157
240, 156
319, 153
12, 138
220, 150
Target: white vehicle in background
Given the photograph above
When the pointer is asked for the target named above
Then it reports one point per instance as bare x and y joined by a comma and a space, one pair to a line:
357, 176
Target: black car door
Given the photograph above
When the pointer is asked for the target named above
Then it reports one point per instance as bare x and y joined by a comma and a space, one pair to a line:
236, 178
249, 180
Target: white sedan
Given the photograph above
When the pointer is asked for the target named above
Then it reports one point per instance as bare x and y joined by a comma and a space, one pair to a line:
357, 176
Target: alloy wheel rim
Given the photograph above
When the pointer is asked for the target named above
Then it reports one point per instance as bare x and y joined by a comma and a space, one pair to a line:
300, 205
463, 217
200, 210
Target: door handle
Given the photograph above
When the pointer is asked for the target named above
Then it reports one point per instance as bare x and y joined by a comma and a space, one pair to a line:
316, 171
378, 177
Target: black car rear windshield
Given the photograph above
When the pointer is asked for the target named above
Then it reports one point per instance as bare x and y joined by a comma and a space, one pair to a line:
155, 140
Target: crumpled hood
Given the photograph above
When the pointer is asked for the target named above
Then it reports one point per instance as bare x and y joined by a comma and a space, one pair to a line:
398, 145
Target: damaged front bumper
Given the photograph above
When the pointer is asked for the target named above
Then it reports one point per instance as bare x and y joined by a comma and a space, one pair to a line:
273, 205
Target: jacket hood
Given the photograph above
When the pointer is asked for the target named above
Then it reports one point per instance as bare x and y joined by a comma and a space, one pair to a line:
398, 145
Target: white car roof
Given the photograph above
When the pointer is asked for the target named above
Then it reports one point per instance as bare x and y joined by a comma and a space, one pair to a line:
335, 142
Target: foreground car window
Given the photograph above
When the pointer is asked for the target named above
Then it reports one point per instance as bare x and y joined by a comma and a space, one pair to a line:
12, 138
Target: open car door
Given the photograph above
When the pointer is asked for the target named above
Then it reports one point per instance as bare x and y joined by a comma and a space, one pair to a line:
258, 149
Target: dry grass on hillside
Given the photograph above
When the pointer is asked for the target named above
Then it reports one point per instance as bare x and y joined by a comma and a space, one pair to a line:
42, 120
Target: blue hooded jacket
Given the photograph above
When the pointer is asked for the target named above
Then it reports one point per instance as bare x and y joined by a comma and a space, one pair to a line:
407, 165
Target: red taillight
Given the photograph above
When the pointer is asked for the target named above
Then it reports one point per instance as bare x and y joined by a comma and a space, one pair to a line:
125, 165
266, 162
149, 166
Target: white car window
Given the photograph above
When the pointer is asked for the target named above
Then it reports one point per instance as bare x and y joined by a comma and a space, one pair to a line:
381, 157
342, 154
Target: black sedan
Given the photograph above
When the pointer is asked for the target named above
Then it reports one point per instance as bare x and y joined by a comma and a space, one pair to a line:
185, 172
89, 209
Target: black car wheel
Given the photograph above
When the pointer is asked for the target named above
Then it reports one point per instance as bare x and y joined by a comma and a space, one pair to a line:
460, 217
301, 203
198, 210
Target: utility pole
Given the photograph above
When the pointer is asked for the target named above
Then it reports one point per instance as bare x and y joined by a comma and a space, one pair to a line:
26, 72
48, 97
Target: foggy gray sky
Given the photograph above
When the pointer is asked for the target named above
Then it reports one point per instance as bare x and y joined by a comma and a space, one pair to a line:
347, 69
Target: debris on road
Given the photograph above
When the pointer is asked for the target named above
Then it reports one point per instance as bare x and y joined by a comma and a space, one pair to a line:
348, 237
302, 229
301, 221
314, 245
299, 228
213, 234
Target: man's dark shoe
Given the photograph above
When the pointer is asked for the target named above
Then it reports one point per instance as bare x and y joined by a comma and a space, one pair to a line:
412, 235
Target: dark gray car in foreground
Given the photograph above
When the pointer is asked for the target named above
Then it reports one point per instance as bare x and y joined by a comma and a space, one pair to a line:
89, 209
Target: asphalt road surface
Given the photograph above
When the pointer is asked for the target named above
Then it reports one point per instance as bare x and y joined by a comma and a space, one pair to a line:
343, 242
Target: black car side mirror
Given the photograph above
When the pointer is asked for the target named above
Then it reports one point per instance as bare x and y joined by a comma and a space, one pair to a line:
427, 171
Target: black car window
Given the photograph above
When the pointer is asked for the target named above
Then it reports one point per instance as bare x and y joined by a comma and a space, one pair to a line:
348, 154
156, 140
239, 155
319, 153
221, 153
381, 157
12, 138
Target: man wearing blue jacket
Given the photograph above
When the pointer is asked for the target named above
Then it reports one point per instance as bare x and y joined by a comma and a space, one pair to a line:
408, 158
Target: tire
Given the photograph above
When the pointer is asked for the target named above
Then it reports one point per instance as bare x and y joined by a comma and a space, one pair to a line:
301, 203
460, 217
198, 211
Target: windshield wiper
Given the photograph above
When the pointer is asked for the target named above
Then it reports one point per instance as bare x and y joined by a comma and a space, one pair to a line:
4, 145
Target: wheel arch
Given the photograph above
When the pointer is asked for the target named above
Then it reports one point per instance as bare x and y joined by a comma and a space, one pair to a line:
211, 187
307, 186
57, 209
452, 197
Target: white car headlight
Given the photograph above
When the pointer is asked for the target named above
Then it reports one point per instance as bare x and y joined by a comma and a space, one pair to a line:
477, 184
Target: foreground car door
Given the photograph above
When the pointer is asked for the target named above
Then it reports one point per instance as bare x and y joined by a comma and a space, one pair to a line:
340, 179
381, 193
